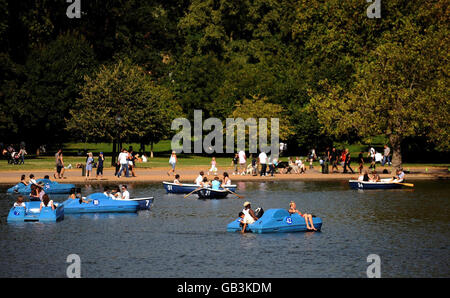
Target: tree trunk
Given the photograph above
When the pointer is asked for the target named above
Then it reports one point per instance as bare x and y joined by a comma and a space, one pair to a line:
151, 149
113, 157
396, 142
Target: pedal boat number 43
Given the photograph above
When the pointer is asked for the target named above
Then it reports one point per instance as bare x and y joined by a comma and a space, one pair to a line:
276, 221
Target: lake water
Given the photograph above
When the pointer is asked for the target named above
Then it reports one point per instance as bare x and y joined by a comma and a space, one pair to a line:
409, 229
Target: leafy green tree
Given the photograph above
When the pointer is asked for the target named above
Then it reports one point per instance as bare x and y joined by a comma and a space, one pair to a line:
401, 90
51, 78
121, 102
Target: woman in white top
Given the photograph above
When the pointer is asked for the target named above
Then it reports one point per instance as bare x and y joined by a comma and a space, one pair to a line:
46, 202
226, 179
19, 202
173, 161
249, 215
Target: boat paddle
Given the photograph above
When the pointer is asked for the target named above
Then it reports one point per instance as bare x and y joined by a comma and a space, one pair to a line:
240, 197
192, 192
405, 184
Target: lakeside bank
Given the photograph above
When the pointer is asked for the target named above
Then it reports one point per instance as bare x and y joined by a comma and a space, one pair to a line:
188, 175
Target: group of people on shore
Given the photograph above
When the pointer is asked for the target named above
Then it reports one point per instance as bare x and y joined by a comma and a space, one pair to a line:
13, 156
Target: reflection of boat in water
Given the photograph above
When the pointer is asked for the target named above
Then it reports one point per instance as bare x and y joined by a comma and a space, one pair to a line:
99, 202
208, 193
187, 188
103, 215
50, 187
31, 213
383, 184
276, 221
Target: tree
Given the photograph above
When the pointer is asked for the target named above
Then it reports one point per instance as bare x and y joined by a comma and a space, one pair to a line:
260, 107
400, 90
121, 102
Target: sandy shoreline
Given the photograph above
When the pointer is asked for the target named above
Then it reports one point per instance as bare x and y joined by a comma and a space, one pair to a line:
188, 175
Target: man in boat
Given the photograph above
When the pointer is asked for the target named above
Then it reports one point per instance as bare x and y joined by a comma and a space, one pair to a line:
400, 176
125, 193
249, 214
375, 177
199, 179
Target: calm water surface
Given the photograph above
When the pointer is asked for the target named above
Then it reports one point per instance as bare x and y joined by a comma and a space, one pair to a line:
408, 229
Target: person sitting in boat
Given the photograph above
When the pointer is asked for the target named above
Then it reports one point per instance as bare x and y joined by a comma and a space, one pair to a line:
19, 202
365, 177
125, 193
107, 193
32, 180
249, 214
177, 179
199, 179
40, 190
400, 177
205, 182
46, 202
117, 195
307, 217
23, 180
375, 177
242, 222
226, 179
216, 183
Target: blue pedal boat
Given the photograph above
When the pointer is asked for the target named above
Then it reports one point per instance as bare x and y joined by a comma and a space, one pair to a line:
50, 187
383, 184
31, 213
187, 188
276, 221
98, 202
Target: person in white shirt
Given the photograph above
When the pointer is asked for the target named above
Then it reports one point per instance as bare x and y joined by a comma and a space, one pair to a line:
46, 202
199, 179
32, 180
263, 161
242, 161
19, 202
125, 193
123, 161
372, 154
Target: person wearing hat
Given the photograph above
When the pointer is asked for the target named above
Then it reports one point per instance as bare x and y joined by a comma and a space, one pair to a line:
101, 159
249, 214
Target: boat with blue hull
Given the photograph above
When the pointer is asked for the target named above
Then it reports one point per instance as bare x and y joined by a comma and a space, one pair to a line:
31, 213
276, 221
50, 187
187, 188
99, 202
383, 184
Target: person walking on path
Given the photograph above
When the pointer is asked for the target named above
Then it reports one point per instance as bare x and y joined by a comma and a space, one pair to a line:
234, 162
263, 162
361, 162
101, 159
89, 164
347, 161
59, 164
123, 161
173, 161
334, 160
386, 156
242, 161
